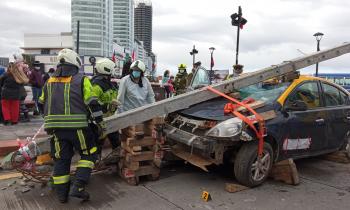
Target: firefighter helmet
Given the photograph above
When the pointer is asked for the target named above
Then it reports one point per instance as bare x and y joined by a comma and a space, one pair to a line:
105, 66
182, 66
67, 56
138, 65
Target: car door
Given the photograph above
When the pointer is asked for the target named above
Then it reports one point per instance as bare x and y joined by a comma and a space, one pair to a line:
199, 79
336, 102
304, 131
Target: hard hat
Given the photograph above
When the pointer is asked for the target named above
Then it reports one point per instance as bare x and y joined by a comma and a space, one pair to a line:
182, 66
67, 56
105, 66
138, 65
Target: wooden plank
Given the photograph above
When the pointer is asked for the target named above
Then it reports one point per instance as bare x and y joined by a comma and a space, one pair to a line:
194, 159
10, 176
131, 149
132, 165
286, 172
147, 155
232, 188
338, 157
185, 100
269, 115
147, 170
254, 105
146, 141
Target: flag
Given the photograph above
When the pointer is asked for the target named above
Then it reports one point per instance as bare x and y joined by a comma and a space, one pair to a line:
212, 61
133, 56
114, 59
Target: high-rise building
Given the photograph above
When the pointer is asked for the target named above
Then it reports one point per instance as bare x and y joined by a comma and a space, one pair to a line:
96, 26
123, 23
143, 24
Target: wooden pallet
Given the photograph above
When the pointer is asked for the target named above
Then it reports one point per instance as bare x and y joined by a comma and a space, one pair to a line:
140, 153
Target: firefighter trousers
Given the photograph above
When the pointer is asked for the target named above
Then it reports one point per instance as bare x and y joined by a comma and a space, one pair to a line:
63, 144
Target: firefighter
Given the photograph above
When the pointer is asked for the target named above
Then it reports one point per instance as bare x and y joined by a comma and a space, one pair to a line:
180, 83
68, 103
107, 93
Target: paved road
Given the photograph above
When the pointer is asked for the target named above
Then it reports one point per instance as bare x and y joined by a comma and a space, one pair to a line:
324, 185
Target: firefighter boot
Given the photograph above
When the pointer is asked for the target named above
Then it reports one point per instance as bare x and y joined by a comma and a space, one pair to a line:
78, 191
62, 192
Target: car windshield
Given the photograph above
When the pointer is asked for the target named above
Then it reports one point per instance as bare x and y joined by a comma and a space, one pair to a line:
264, 92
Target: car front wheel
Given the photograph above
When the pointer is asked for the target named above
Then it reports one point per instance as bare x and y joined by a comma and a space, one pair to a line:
248, 170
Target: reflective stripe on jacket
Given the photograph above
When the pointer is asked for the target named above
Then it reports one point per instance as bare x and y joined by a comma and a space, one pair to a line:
65, 102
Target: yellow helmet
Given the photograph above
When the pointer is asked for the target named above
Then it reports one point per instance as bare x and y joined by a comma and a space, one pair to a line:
182, 66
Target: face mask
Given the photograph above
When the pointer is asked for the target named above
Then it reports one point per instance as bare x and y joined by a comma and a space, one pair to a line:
37, 68
181, 71
136, 74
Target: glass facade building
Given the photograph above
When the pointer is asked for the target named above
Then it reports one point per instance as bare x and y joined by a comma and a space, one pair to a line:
143, 24
96, 26
123, 23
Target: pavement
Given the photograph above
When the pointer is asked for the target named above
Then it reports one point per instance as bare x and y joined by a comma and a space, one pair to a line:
324, 185
22, 130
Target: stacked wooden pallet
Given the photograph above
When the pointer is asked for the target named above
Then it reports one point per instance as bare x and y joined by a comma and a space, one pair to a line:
140, 152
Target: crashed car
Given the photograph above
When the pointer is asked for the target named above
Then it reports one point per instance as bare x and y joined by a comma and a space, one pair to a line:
306, 116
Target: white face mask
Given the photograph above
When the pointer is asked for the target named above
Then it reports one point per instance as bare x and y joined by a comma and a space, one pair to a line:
37, 68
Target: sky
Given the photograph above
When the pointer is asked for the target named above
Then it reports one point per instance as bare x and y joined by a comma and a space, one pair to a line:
277, 30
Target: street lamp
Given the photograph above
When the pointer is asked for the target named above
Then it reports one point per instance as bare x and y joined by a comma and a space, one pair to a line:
318, 37
193, 53
211, 63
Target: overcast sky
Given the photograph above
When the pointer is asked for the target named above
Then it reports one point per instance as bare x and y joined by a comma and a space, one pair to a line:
276, 30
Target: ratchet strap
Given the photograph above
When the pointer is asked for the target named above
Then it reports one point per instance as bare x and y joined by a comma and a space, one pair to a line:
231, 108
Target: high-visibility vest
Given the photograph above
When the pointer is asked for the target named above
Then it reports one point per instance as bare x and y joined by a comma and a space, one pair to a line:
64, 105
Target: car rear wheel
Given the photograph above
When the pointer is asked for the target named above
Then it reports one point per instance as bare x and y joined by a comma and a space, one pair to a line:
248, 170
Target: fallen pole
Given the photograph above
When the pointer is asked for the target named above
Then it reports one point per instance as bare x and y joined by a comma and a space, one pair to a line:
185, 100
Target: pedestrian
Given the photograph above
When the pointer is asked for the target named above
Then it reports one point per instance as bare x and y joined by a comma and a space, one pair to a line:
165, 79
36, 81
180, 83
68, 102
107, 93
135, 90
126, 68
171, 86
10, 86
48, 74
2, 72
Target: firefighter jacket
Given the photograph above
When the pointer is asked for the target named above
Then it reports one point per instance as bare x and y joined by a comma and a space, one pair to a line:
65, 101
105, 92
180, 82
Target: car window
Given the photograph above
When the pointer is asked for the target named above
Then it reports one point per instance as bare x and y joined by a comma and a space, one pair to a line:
201, 78
308, 93
333, 96
266, 93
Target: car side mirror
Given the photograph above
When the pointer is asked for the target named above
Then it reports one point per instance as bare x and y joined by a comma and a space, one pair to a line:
297, 106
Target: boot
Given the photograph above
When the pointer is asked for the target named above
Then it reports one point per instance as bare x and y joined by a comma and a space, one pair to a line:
78, 191
62, 192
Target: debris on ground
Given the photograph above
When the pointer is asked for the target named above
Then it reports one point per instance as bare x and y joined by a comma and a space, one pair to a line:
26, 189
232, 188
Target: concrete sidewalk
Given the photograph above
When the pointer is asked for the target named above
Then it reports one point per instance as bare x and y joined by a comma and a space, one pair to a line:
324, 186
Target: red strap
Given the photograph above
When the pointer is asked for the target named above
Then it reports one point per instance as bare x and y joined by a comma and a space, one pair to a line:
230, 108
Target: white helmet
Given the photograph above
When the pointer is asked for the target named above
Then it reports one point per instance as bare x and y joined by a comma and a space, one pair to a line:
138, 65
105, 66
67, 56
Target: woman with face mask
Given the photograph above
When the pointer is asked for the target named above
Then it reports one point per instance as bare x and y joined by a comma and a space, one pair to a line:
135, 90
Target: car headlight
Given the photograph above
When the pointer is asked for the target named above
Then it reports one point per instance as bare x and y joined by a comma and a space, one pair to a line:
228, 128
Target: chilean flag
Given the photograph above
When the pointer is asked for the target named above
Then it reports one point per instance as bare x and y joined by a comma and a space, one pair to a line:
114, 59
133, 56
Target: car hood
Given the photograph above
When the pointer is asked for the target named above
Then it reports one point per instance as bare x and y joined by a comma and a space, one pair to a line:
213, 110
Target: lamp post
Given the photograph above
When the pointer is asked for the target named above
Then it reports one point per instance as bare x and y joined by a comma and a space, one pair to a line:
318, 37
193, 53
211, 49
